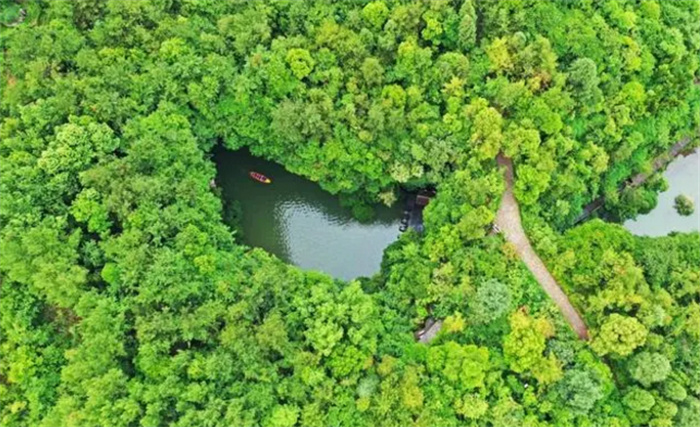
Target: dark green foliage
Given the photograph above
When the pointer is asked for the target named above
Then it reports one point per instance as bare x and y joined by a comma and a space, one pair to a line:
126, 300
684, 205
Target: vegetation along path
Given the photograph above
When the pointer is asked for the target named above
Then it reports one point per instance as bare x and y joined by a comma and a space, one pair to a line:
508, 220
659, 163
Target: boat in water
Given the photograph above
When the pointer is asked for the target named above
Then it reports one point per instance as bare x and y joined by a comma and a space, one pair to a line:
260, 177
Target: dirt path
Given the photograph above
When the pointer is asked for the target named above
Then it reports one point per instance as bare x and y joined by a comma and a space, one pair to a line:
508, 219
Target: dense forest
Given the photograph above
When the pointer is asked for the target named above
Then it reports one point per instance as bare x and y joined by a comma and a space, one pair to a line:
126, 300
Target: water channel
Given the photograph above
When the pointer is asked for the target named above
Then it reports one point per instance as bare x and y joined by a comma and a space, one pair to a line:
296, 220
299, 222
683, 176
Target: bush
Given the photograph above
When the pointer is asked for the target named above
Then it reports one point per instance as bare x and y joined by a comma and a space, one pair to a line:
684, 205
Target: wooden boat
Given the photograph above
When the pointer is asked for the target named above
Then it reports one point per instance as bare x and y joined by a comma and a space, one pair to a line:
260, 177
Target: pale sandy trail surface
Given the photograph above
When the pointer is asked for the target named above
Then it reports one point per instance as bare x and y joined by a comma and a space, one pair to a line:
508, 219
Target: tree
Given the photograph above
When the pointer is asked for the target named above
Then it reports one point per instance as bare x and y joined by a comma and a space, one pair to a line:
87, 208
491, 301
486, 128
272, 334
579, 390
619, 336
499, 55
125, 300
583, 77
674, 391
300, 61
283, 416
689, 414
683, 205
526, 341
648, 368
375, 13
467, 26
472, 407
638, 399
465, 366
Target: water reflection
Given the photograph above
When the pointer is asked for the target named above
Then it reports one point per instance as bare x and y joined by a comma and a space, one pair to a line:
296, 220
683, 176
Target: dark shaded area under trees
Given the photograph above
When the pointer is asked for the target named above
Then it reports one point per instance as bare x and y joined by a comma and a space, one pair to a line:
125, 300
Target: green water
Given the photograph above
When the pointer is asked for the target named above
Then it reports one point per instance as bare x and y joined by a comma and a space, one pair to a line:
300, 223
683, 176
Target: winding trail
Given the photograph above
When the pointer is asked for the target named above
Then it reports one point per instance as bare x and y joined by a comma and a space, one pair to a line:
508, 219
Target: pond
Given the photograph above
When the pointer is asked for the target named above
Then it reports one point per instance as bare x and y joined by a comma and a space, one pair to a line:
300, 223
683, 176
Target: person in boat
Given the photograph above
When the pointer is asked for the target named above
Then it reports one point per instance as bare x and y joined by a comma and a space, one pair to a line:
260, 177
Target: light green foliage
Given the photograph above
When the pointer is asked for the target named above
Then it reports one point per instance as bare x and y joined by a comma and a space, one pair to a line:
88, 209
638, 399
272, 334
465, 366
127, 301
523, 348
376, 13
486, 128
684, 205
619, 336
471, 407
674, 391
491, 301
649, 368
301, 62
499, 55
689, 414
284, 416
506, 412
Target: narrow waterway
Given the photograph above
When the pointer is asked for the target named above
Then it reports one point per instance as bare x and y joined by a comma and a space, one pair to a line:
683, 176
300, 223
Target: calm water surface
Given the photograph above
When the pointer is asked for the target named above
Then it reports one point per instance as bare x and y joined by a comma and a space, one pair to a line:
683, 176
300, 223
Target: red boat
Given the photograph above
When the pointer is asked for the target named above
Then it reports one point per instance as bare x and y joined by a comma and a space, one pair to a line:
260, 177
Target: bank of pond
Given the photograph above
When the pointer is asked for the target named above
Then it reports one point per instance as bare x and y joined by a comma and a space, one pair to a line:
683, 177
296, 220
